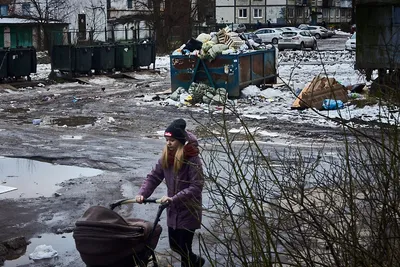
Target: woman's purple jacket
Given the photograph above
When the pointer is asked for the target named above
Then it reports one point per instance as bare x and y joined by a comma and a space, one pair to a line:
185, 189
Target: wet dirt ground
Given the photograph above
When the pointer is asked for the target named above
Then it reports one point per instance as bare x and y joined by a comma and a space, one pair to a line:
107, 127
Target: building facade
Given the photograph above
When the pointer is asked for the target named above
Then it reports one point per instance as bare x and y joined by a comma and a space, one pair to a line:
20, 27
289, 12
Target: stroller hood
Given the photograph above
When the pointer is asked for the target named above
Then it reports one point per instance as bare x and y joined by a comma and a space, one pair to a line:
103, 237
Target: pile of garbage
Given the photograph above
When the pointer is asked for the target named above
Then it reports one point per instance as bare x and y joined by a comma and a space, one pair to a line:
199, 93
325, 93
225, 41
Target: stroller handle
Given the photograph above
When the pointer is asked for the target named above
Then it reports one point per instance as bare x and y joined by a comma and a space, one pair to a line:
132, 200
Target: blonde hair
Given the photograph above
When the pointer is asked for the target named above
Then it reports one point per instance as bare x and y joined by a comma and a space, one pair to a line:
178, 161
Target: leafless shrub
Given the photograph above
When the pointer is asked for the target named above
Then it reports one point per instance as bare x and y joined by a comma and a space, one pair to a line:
294, 207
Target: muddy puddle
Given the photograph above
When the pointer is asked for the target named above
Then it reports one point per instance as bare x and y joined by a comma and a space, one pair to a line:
33, 178
16, 110
64, 245
74, 121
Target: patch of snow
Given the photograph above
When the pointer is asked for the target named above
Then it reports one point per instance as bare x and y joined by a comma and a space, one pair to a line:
339, 32
42, 72
102, 80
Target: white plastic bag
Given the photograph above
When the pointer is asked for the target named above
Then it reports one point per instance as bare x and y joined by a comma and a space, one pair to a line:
43, 252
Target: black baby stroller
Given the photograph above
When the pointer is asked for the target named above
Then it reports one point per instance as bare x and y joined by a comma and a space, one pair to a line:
104, 238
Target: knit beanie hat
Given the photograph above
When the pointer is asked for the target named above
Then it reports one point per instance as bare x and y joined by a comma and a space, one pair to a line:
177, 130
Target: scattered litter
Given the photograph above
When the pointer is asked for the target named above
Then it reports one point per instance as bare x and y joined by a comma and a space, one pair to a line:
43, 252
149, 98
166, 92
357, 88
332, 104
169, 102
36, 121
355, 96
320, 88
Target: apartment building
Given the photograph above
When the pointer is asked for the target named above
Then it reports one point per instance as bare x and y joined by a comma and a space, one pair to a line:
283, 11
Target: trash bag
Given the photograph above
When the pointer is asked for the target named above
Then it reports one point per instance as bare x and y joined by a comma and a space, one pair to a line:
203, 37
358, 88
331, 104
193, 44
216, 50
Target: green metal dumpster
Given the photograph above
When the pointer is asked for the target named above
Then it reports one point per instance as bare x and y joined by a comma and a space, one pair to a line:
21, 61
103, 58
3, 63
124, 53
145, 54
72, 59
232, 72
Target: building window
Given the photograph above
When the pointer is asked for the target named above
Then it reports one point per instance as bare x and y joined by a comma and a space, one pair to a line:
4, 10
299, 12
130, 3
332, 12
290, 12
396, 15
243, 13
26, 7
257, 13
325, 12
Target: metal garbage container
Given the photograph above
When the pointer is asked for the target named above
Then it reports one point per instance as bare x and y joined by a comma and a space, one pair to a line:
103, 58
21, 61
72, 59
145, 54
3, 63
124, 56
232, 71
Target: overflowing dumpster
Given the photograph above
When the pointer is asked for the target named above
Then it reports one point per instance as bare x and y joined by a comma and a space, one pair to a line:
103, 58
232, 72
21, 61
72, 59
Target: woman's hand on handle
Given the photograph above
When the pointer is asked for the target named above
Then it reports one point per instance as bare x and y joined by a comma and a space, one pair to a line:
139, 199
166, 199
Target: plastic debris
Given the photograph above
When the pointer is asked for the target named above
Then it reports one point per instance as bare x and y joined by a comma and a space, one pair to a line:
36, 121
331, 104
43, 252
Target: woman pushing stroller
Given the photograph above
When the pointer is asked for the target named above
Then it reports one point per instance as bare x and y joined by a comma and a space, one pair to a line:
181, 167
